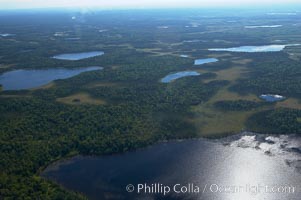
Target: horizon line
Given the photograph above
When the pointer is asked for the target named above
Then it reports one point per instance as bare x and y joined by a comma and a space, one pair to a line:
295, 9
212, 7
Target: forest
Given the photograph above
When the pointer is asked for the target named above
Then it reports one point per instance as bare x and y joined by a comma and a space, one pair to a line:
40, 126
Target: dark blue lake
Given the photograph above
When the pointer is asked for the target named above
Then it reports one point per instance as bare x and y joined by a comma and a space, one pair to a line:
31, 78
196, 168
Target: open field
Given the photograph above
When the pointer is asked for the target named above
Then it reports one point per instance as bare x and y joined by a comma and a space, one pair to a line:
47, 86
5, 66
101, 84
80, 99
213, 122
289, 103
209, 120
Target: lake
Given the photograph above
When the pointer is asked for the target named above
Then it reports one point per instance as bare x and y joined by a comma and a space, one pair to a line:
163, 27
272, 97
252, 49
191, 41
177, 75
184, 56
72, 39
205, 61
278, 13
78, 56
241, 167
264, 26
6, 34
32, 78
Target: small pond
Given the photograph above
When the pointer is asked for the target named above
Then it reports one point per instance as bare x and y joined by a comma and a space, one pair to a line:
205, 61
6, 34
78, 56
177, 75
272, 97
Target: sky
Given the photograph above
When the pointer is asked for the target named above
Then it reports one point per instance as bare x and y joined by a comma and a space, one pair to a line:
110, 4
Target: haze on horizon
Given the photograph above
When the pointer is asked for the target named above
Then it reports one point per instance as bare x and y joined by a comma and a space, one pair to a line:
111, 4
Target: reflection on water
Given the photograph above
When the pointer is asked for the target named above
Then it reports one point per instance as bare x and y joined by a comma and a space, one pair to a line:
26, 79
243, 167
177, 75
78, 56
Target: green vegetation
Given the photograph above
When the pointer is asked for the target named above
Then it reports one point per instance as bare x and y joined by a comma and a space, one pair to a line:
125, 106
280, 76
283, 121
80, 98
239, 105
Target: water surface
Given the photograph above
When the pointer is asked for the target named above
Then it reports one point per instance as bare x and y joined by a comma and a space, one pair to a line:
246, 162
264, 26
162, 27
73, 38
192, 41
252, 49
78, 56
272, 97
205, 61
278, 13
31, 78
6, 34
177, 75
